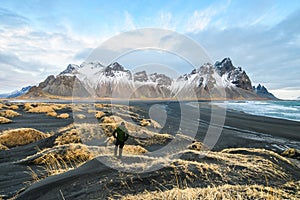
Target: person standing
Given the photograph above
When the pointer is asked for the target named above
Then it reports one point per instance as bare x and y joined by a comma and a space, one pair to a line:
121, 135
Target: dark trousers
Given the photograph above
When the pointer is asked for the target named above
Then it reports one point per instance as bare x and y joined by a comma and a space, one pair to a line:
120, 145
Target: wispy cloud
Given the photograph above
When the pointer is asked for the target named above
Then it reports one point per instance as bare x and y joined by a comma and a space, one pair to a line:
165, 20
11, 19
201, 19
129, 21
29, 55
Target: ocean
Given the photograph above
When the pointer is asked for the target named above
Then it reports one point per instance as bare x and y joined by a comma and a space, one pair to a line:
278, 109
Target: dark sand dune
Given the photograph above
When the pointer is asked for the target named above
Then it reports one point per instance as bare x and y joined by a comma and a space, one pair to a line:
95, 180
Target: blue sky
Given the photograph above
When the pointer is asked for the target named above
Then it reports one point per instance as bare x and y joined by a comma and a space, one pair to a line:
39, 38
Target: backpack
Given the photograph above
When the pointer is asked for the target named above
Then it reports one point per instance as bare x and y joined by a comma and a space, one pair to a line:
122, 134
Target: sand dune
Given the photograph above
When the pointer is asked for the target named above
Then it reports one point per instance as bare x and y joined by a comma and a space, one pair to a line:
61, 158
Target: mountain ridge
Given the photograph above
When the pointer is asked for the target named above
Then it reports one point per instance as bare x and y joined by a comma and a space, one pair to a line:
16, 93
219, 81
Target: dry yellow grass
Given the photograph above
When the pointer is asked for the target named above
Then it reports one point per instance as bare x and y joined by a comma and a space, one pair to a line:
150, 122
13, 107
197, 146
133, 149
91, 111
98, 105
3, 147
99, 114
63, 116
146, 138
63, 158
21, 136
258, 151
27, 106
77, 108
52, 114
145, 122
291, 153
59, 106
86, 132
80, 116
68, 137
108, 120
4, 120
9, 113
224, 192
253, 165
141, 135
2, 106
41, 109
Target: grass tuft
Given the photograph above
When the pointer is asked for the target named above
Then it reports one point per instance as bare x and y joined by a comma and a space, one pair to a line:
63, 116
9, 113
80, 116
4, 120
21, 136
224, 192
3, 147
13, 107
70, 136
62, 158
133, 149
52, 114
99, 114
41, 109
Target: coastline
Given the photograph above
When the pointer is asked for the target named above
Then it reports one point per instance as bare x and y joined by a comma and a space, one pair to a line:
251, 137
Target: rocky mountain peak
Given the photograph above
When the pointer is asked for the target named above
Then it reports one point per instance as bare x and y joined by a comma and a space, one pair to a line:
71, 69
224, 66
205, 81
91, 65
235, 75
161, 79
116, 67
140, 76
262, 91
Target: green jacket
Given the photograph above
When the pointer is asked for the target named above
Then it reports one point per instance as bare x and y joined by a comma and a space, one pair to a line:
121, 134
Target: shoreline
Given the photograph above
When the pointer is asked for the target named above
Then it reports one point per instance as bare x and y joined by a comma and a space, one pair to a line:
254, 138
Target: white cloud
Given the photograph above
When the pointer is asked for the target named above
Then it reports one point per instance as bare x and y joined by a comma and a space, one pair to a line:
165, 21
129, 22
28, 55
286, 94
201, 19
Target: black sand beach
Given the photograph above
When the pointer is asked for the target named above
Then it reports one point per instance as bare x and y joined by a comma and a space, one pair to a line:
94, 180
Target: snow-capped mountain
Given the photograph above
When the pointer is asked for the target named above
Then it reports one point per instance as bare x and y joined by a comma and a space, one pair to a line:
71, 70
207, 81
115, 81
233, 75
16, 93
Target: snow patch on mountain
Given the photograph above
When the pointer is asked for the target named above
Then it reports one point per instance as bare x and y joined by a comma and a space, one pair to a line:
16, 93
114, 80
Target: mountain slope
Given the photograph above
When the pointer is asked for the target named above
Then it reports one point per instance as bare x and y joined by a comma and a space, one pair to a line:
16, 93
219, 81
261, 91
